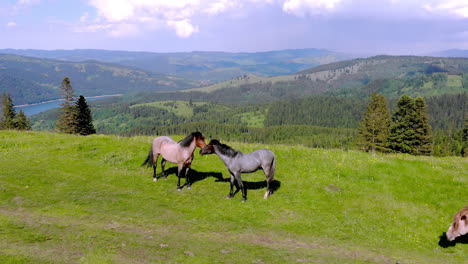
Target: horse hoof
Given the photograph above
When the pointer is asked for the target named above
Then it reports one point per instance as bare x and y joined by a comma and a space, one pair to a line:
155, 179
179, 189
228, 197
243, 200
189, 188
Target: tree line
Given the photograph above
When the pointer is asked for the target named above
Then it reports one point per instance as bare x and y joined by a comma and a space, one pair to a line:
75, 116
407, 130
9, 119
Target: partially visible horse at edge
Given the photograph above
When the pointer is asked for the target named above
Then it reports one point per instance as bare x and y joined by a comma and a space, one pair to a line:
238, 162
459, 227
180, 153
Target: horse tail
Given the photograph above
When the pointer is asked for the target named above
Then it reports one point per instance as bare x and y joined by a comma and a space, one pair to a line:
149, 160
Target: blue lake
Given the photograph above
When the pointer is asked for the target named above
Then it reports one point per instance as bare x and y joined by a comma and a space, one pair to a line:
33, 109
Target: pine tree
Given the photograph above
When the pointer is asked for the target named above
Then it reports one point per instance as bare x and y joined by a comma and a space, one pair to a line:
402, 136
422, 128
375, 126
410, 131
22, 122
84, 119
464, 136
67, 120
7, 120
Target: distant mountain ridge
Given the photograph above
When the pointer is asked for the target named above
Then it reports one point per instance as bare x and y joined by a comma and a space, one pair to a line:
200, 65
461, 53
30, 80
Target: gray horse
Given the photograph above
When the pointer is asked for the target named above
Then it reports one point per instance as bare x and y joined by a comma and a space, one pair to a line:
238, 162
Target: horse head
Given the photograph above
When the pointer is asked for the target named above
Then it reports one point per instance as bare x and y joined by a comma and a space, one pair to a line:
199, 139
459, 226
209, 149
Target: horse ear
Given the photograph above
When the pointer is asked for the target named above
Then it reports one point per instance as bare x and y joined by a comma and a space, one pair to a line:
463, 217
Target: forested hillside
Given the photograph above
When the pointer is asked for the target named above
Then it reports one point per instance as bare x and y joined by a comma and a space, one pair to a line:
392, 76
31, 80
200, 65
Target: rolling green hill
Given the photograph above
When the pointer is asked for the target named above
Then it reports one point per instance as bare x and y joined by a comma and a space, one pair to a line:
30, 80
200, 65
70, 199
392, 76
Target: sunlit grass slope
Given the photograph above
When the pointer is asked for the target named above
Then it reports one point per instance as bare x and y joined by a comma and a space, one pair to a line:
70, 199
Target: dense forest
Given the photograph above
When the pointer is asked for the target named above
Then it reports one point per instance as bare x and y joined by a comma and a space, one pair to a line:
322, 121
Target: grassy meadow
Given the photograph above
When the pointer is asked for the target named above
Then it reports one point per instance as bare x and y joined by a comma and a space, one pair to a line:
73, 199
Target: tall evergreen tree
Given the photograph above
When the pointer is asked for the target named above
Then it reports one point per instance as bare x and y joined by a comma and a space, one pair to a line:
84, 119
402, 136
375, 126
22, 122
464, 136
422, 128
410, 131
7, 120
67, 120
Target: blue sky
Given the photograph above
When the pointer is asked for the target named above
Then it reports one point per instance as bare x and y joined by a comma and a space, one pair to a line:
353, 26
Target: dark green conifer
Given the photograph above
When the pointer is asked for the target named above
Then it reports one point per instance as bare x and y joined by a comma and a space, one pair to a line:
22, 122
67, 120
7, 119
84, 119
402, 131
410, 131
375, 126
464, 136
422, 128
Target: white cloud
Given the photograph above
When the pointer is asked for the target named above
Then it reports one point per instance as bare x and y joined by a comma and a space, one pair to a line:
131, 17
124, 30
11, 24
28, 2
176, 14
302, 7
84, 17
454, 7
92, 28
183, 28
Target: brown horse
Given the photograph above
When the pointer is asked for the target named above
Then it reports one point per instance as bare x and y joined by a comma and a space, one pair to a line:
180, 153
459, 227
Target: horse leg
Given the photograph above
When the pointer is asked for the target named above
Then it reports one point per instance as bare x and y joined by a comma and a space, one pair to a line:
241, 186
268, 180
179, 171
187, 180
163, 164
231, 191
155, 165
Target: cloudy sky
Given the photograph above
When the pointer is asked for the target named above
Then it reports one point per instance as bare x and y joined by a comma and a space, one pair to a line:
356, 26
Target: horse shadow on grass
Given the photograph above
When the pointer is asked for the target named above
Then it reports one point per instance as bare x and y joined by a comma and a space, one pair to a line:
248, 185
194, 175
445, 243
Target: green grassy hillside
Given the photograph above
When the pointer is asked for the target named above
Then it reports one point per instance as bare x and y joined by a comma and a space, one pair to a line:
70, 199
30, 80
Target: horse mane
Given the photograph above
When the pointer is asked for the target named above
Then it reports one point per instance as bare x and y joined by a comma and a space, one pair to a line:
186, 141
224, 149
